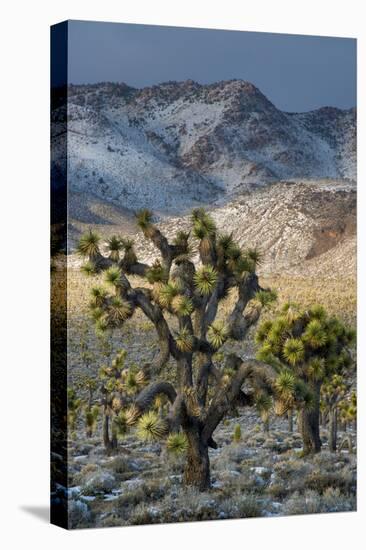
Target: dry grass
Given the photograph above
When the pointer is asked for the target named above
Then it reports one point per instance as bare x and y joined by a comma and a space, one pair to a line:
339, 296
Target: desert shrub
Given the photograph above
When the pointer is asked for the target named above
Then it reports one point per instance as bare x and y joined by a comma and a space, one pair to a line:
119, 465
79, 514
240, 506
85, 473
320, 481
303, 503
130, 498
311, 502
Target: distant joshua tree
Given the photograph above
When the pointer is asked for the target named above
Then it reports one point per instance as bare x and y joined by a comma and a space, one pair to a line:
332, 394
183, 302
308, 349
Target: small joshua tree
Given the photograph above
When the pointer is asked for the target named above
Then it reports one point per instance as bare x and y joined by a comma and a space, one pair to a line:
88, 384
306, 348
264, 404
74, 405
119, 387
237, 433
332, 394
183, 303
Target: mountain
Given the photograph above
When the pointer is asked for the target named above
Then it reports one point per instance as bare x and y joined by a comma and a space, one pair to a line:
304, 228
178, 144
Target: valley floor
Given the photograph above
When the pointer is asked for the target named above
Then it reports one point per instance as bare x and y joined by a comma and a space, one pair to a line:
262, 475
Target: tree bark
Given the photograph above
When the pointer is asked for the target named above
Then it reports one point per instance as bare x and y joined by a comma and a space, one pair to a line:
197, 468
309, 425
332, 439
106, 440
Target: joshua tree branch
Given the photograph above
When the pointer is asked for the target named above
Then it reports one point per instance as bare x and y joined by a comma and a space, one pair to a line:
146, 398
238, 323
250, 370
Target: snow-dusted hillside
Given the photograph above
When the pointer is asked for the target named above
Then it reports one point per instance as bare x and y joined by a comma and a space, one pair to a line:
176, 144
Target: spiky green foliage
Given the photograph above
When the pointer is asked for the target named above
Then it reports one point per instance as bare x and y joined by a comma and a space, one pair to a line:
266, 297
198, 214
156, 273
224, 244
316, 369
177, 443
113, 276
120, 423
74, 404
144, 218
88, 245
119, 310
285, 385
114, 245
181, 305
255, 255
181, 238
237, 433
317, 312
293, 351
184, 340
167, 292
101, 325
203, 224
98, 296
132, 382
236, 262
263, 402
91, 418
151, 427
305, 393
89, 269
132, 415
291, 311
315, 334
217, 333
205, 279
263, 331
95, 312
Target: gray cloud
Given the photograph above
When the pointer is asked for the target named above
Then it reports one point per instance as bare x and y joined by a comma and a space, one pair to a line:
297, 73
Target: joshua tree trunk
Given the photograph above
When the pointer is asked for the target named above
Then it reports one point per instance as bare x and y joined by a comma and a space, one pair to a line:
309, 427
266, 425
106, 440
290, 421
332, 439
309, 424
197, 468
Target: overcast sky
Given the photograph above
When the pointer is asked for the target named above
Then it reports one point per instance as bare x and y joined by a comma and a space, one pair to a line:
297, 73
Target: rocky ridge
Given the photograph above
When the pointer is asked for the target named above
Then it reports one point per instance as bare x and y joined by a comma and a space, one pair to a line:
181, 143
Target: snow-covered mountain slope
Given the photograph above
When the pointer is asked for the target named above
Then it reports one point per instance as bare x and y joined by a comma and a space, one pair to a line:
179, 143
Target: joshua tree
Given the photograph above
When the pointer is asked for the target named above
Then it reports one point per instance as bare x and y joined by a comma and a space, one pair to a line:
237, 433
74, 404
88, 384
119, 387
307, 348
183, 301
348, 414
264, 404
332, 393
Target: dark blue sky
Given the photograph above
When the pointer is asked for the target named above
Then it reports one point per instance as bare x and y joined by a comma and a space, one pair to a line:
297, 73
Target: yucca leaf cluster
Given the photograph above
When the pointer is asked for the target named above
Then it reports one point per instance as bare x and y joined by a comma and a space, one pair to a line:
151, 427
308, 348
